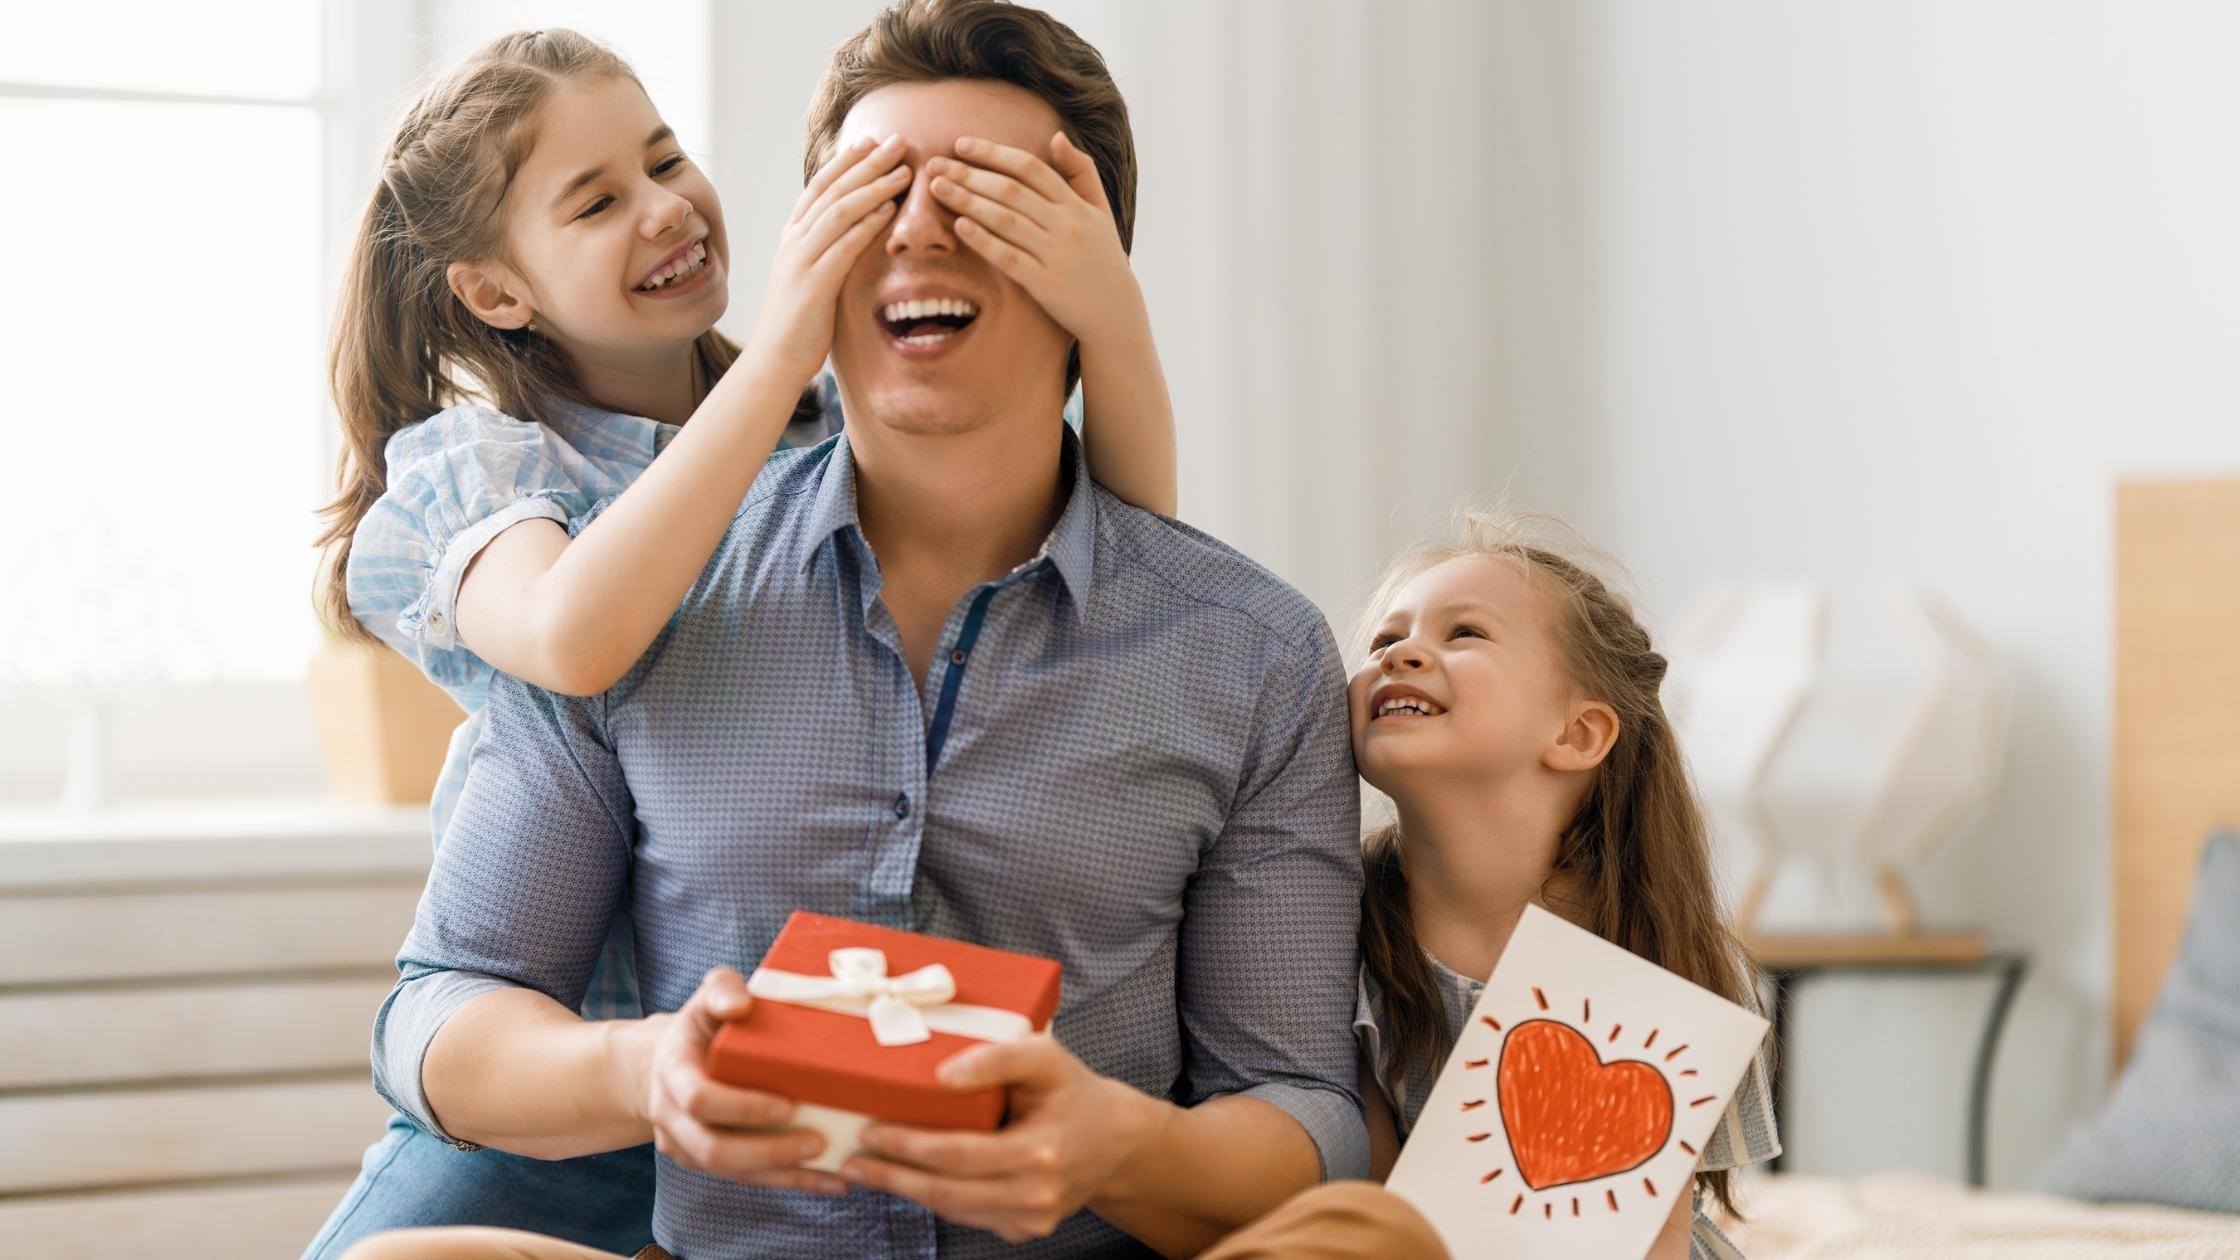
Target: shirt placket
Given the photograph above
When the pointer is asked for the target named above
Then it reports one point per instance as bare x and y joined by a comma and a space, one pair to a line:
913, 748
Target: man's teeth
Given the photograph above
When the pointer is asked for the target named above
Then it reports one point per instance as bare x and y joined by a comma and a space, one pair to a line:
900, 312
1408, 704
693, 260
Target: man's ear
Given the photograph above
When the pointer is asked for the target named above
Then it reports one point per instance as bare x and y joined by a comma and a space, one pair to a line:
488, 291
1585, 740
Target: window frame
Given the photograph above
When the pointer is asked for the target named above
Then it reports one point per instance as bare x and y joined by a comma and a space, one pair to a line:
371, 57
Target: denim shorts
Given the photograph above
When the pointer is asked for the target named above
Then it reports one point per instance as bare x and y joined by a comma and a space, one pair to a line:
410, 1179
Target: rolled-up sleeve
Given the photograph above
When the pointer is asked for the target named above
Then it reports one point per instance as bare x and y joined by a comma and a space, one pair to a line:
525, 886
1269, 946
455, 481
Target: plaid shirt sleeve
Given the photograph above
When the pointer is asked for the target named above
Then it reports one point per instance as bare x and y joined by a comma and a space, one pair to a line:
455, 481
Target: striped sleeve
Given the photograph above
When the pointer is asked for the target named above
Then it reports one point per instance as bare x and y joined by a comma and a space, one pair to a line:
455, 481
1746, 1134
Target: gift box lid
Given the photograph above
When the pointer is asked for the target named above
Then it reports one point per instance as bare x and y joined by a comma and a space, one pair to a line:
830, 1058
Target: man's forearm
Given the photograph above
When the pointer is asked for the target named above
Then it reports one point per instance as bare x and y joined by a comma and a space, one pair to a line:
1207, 1171
515, 1070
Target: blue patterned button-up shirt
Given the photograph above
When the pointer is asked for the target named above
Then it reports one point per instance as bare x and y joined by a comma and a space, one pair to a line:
454, 482
1130, 754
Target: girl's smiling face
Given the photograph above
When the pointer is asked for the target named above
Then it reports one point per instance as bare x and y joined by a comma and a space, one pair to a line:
1463, 676
605, 204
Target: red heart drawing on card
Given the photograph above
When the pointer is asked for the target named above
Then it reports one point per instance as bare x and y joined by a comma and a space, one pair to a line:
1570, 1116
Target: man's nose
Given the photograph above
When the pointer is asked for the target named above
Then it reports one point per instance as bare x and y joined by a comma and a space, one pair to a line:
922, 224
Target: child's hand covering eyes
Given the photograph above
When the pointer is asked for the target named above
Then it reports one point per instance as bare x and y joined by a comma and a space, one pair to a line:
840, 212
1048, 227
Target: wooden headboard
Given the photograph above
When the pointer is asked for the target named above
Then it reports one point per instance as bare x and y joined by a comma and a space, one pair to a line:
2177, 716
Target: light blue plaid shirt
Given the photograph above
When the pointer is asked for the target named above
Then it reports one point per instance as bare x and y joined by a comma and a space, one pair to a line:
1130, 755
458, 480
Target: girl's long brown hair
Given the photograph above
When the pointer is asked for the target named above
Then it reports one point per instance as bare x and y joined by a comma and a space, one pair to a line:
1634, 864
404, 346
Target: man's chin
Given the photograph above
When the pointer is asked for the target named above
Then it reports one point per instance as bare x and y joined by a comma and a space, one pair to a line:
927, 410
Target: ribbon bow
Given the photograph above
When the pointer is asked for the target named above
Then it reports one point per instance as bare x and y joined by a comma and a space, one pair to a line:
903, 1010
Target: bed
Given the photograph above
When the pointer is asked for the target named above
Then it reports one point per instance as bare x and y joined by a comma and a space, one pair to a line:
2176, 776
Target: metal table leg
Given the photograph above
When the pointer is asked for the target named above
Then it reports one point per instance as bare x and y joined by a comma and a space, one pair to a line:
2011, 967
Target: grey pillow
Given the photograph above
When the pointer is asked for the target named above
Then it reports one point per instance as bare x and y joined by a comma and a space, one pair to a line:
2171, 1131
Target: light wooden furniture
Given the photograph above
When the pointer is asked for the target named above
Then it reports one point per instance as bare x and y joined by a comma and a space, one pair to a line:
2177, 716
383, 727
1789, 961
186, 1001
1866, 948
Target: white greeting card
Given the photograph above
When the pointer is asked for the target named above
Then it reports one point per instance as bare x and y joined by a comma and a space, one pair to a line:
1569, 1117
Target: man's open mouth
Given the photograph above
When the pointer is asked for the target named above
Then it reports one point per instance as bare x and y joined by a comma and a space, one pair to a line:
928, 321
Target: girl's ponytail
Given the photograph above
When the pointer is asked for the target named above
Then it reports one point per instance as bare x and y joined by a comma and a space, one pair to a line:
383, 378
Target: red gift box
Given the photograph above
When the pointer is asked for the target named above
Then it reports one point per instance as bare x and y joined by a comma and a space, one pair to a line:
831, 1059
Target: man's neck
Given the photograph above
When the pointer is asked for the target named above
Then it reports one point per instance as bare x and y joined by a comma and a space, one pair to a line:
953, 511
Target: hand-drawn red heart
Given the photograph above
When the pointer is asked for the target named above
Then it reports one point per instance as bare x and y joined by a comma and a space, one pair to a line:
1570, 1116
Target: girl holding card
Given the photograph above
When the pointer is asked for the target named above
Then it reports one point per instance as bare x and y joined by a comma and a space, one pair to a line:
1507, 702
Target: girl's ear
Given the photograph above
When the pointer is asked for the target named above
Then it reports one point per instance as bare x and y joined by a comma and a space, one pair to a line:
489, 293
1585, 740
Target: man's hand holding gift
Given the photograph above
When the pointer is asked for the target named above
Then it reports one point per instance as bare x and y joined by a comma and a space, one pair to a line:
1070, 1133
721, 1129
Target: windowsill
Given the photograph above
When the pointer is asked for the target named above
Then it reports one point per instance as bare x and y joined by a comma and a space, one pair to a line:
302, 839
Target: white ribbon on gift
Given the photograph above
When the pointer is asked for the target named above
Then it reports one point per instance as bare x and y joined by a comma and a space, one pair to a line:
903, 1010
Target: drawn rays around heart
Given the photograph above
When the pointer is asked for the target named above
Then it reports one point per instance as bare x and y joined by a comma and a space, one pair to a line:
1550, 1055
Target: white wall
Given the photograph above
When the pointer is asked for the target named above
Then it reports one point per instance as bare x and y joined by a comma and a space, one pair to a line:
1901, 290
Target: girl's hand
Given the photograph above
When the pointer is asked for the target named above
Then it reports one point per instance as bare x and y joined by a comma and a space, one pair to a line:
1047, 226
844, 207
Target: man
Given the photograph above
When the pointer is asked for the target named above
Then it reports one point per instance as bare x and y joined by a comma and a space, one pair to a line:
934, 678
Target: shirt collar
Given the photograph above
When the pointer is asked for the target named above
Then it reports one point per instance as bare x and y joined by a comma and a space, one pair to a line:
569, 413
1071, 547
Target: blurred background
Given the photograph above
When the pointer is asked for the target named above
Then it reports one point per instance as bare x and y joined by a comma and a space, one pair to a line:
1755, 291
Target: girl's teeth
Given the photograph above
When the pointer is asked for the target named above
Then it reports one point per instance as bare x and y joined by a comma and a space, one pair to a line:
684, 266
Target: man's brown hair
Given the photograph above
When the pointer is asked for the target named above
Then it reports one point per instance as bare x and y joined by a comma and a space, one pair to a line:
924, 41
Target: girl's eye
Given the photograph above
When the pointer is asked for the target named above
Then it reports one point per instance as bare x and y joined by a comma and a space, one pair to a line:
595, 207
1381, 642
1470, 631
669, 165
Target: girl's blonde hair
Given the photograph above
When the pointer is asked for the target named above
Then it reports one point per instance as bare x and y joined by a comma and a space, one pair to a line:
1634, 865
404, 346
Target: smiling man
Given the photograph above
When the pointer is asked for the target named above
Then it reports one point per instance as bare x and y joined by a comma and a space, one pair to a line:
934, 678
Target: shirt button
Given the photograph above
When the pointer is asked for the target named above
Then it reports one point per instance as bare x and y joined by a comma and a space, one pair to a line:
902, 805
435, 622
957, 657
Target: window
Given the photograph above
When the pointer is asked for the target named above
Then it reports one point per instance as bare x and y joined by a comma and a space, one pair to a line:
163, 333
180, 189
